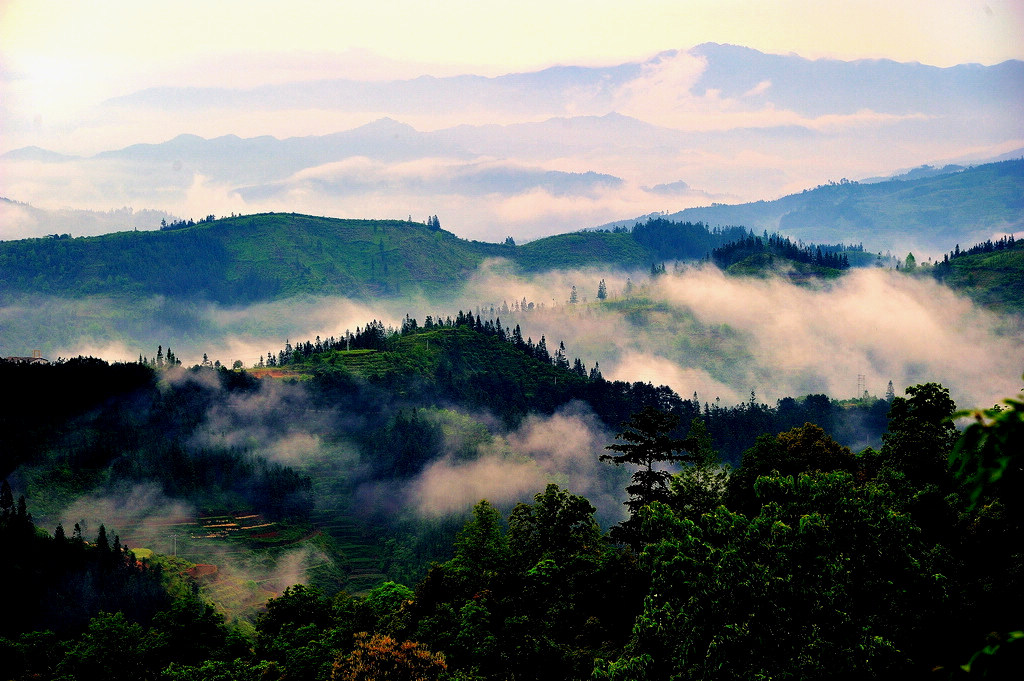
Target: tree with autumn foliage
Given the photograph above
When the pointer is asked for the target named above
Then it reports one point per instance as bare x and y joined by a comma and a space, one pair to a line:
379, 657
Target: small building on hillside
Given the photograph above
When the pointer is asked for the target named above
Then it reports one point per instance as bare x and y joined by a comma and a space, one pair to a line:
29, 360
36, 358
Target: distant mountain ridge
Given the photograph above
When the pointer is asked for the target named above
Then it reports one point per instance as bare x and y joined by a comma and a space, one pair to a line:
879, 84
930, 213
659, 134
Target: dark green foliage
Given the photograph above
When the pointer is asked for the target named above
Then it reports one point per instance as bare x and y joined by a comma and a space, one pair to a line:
990, 454
299, 605
67, 390
189, 632
819, 563
646, 442
804, 449
921, 433
829, 257
988, 272
401, 448
810, 568
700, 487
113, 424
536, 602
111, 648
669, 240
62, 584
857, 569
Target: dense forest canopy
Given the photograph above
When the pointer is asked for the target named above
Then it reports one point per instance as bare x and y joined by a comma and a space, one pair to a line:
887, 559
871, 563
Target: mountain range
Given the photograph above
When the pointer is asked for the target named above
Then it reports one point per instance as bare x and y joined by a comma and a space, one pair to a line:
538, 153
927, 212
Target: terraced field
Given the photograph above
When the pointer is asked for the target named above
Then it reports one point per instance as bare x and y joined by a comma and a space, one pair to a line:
361, 556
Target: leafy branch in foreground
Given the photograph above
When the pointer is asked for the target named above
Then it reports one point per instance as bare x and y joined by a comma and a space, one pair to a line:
990, 453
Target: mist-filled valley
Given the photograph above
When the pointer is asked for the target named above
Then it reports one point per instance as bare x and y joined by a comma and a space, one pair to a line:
364, 342
694, 329
342, 444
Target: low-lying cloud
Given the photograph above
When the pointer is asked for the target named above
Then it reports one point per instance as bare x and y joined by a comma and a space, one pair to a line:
695, 330
130, 511
512, 467
723, 336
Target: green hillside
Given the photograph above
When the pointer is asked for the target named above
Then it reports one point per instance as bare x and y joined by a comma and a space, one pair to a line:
994, 278
247, 258
584, 249
272, 256
541, 590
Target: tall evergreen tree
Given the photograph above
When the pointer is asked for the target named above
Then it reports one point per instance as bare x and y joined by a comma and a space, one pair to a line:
646, 442
6, 499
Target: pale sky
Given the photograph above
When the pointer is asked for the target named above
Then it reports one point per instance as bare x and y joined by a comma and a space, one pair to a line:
59, 54
505, 35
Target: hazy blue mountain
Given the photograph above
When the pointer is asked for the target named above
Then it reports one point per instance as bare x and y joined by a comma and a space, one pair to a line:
234, 159
716, 123
512, 92
930, 214
812, 87
20, 220
473, 179
822, 86
36, 154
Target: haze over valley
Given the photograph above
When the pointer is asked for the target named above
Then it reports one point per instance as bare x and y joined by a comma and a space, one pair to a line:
484, 341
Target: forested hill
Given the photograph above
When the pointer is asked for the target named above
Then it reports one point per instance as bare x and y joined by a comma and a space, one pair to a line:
246, 258
991, 273
263, 257
929, 214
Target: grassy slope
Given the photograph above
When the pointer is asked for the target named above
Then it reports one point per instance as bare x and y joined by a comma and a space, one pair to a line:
272, 256
430, 355
995, 280
247, 258
583, 249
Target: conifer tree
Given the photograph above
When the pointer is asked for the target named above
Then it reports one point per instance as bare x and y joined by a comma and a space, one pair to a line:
646, 442
6, 499
102, 543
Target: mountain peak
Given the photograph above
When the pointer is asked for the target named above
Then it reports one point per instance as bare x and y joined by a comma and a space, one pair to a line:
34, 153
387, 124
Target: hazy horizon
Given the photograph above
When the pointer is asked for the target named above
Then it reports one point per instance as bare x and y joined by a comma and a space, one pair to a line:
526, 120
